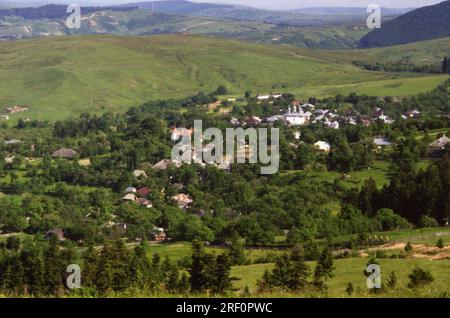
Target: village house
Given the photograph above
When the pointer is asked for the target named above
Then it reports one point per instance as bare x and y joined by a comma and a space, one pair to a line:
143, 192
437, 147
386, 119
16, 109
120, 227
64, 153
381, 141
274, 119
130, 190
253, 120
309, 106
140, 174
261, 97
183, 200
440, 143
331, 124
130, 197
57, 232
12, 142
166, 163
158, 234
411, 114
234, 121
177, 133
144, 203
323, 145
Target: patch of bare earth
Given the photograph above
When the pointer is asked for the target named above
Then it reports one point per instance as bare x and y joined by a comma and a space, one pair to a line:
422, 251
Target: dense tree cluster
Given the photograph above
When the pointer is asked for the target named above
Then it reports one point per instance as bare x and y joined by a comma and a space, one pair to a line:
38, 267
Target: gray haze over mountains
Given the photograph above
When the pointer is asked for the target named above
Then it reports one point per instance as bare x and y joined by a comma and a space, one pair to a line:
264, 4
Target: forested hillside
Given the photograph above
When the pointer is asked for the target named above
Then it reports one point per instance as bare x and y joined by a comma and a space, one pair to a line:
419, 25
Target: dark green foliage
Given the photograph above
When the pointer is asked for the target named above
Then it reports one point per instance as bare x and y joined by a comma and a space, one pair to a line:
208, 272
13, 243
237, 253
408, 247
221, 90
445, 66
427, 221
350, 289
290, 273
324, 270
420, 278
392, 280
419, 25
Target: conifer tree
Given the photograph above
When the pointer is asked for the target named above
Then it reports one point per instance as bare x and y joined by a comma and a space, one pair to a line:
299, 273
324, 270
222, 279
281, 274
33, 270
91, 262
54, 269
202, 268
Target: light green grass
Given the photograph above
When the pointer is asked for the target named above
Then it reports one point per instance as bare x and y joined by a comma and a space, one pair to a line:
180, 250
379, 172
64, 76
382, 87
416, 236
351, 270
420, 53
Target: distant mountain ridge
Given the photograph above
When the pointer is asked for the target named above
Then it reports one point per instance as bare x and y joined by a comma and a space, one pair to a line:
349, 10
52, 11
301, 17
422, 24
178, 7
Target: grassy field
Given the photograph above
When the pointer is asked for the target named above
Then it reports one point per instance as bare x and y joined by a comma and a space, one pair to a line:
64, 76
351, 270
420, 53
385, 87
180, 250
379, 172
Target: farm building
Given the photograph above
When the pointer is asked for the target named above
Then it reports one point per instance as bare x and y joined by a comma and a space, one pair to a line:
64, 153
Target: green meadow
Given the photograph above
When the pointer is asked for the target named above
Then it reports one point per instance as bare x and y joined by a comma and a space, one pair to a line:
59, 77
351, 270
420, 53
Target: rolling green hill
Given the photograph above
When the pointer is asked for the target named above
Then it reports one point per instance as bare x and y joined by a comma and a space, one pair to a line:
413, 54
59, 77
64, 76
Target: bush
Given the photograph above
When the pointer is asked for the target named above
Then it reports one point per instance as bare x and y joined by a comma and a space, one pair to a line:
427, 221
440, 243
392, 281
408, 247
389, 221
419, 278
350, 289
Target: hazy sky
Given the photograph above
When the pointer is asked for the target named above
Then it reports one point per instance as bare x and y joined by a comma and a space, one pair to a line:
292, 4
272, 4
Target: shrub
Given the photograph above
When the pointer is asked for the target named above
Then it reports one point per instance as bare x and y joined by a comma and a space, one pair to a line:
388, 220
408, 247
350, 289
420, 277
392, 281
427, 221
